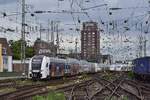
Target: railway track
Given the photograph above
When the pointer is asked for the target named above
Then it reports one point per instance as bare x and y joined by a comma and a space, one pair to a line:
99, 88
26, 92
7, 83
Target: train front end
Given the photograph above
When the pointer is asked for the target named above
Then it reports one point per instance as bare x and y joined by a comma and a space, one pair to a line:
38, 67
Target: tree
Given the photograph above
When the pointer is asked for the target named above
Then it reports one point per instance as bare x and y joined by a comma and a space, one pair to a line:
29, 52
16, 49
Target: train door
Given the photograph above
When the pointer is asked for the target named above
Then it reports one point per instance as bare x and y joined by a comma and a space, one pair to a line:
72, 68
58, 69
62, 69
47, 70
67, 69
75, 69
52, 69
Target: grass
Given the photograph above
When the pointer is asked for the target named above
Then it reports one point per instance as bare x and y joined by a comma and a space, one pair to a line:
5, 90
108, 76
51, 96
125, 98
130, 74
9, 74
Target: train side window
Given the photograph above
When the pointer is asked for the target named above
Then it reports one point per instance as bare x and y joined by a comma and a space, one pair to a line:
142, 65
47, 65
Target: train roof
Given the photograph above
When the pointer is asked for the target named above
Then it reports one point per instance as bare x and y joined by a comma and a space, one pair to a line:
70, 60
148, 57
38, 56
58, 60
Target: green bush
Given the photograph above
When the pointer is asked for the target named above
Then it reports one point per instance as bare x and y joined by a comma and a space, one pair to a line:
131, 74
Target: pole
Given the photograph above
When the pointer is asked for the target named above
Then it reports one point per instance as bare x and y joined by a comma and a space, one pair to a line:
23, 37
52, 32
76, 48
48, 35
57, 39
145, 43
40, 31
140, 45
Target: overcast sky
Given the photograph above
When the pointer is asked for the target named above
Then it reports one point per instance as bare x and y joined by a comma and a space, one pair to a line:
98, 14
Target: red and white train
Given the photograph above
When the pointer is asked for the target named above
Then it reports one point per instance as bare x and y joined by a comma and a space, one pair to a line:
43, 67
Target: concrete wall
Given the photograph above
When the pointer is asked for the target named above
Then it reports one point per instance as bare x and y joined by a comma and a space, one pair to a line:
7, 62
10, 64
17, 67
1, 59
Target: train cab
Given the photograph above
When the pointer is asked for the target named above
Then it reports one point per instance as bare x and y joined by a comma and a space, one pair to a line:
39, 67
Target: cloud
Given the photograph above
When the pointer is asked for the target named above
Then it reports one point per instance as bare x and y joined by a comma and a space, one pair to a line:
112, 2
95, 14
2, 2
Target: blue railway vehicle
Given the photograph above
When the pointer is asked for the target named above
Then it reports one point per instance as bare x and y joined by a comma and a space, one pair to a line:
74, 66
56, 68
85, 66
141, 68
67, 69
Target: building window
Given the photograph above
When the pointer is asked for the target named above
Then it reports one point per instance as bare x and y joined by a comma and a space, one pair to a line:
93, 47
93, 40
4, 51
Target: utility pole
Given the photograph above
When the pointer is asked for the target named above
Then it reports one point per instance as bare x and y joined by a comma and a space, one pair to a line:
40, 31
145, 45
48, 35
23, 37
57, 40
145, 41
76, 48
52, 32
140, 45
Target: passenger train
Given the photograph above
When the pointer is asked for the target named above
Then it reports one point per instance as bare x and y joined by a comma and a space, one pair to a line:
43, 67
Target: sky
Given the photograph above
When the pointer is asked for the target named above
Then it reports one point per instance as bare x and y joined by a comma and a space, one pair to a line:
111, 40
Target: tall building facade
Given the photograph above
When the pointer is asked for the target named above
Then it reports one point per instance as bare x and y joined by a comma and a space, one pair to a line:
90, 42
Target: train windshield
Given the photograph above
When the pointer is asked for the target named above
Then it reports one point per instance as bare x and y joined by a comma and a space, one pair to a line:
36, 63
